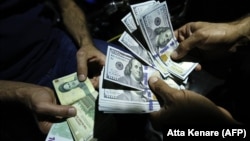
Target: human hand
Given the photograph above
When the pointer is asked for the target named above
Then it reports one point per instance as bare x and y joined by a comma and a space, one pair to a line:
184, 107
90, 62
42, 101
206, 36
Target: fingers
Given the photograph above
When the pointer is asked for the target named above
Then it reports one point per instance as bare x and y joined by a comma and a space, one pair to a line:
95, 82
184, 47
223, 110
86, 58
188, 40
82, 69
56, 110
162, 89
198, 67
44, 126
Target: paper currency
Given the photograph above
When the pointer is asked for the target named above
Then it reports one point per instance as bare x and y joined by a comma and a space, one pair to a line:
122, 68
59, 132
136, 48
113, 99
129, 22
82, 125
127, 101
156, 25
69, 89
82, 96
138, 8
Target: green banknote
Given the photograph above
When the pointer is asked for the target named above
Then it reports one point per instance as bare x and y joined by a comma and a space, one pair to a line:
81, 95
59, 132
70, 90
82, 124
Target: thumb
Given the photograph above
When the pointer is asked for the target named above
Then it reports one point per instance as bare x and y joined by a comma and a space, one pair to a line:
57, 110
185, 46
162, 89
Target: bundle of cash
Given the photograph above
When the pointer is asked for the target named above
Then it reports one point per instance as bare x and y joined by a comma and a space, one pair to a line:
150, 38
151, 20
123, 86
81, 95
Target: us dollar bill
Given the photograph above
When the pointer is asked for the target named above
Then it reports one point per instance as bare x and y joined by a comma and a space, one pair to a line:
126, 101
59, 132
124, 69
136, 48
138, 8
129, 22
154, 23
157, 28
115, 100
181, 69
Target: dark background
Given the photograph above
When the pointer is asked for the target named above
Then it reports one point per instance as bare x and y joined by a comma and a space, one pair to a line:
214, 81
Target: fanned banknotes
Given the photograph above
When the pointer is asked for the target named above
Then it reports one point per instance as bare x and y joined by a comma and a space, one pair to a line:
150, 38
123, 86
81, 95
153, 21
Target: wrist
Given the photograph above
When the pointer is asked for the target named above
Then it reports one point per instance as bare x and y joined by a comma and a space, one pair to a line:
242, 28
12, 91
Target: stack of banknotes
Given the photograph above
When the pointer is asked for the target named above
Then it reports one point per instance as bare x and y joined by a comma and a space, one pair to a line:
123, 85
81, 95
149, 39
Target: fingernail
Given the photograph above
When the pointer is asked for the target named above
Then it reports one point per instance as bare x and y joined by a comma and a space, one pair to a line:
153, 79
81, 77
174, 54
72, 111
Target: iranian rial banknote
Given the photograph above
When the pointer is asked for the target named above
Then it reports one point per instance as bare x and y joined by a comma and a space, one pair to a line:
70, 90
81, 95
82, 125
59, 132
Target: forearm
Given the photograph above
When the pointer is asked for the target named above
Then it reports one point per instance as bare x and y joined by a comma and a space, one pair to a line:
75, 22
9, 90
242, 28
17, 91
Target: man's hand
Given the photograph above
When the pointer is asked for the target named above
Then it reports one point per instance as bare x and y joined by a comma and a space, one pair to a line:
206, 36
184, 107
89, 59
41, 100
90, 62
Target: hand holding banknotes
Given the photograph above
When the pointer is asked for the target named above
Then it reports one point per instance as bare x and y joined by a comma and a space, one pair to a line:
41, 100
221, 37
184, 107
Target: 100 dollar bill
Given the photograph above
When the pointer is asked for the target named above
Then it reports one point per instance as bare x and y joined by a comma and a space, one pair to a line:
118, 69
